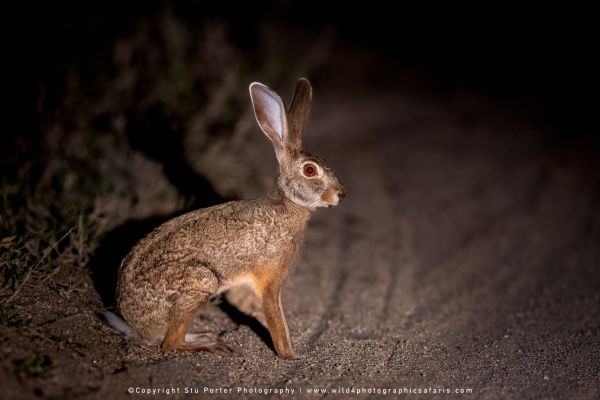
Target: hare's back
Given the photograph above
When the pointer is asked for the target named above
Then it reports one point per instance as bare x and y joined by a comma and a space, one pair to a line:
229, 232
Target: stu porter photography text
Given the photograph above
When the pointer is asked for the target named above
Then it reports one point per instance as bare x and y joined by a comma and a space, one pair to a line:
149, 391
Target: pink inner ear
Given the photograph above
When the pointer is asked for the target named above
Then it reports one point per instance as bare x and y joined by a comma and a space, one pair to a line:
271, 113
269, 110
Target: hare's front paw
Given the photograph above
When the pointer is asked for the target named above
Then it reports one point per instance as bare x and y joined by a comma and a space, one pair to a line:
287, 354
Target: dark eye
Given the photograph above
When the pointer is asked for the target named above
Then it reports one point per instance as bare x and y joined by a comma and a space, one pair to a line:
310, 169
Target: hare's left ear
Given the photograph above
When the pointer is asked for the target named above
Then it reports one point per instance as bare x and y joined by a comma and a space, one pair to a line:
270, 115
298, 112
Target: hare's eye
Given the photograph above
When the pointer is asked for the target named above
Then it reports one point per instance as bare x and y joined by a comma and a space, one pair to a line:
310, 170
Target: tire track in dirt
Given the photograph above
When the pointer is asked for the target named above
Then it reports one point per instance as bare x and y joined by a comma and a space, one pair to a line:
373, 259
326, 317
489, 211
402, 263
478, 240
509, 237
522, 325
553, 207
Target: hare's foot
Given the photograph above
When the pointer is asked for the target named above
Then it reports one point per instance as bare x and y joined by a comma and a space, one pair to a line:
208, 341
214, 346
200, 336
198, 341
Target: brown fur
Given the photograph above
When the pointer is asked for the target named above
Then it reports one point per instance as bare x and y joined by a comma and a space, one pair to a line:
171, 273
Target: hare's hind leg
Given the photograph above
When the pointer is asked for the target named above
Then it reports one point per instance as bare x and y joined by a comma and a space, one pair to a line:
183, 311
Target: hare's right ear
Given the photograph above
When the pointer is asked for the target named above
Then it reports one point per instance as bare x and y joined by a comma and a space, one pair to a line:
298, 111
270, 114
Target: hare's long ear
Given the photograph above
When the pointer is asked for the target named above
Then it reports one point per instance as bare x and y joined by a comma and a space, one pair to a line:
270, 115
299, 111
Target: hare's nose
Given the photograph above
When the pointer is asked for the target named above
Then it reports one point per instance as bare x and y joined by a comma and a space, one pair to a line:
341, 194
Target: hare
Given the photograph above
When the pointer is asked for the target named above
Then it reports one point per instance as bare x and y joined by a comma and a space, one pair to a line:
173, 271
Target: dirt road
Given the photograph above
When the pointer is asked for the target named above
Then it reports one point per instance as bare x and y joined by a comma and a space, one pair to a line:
465, 256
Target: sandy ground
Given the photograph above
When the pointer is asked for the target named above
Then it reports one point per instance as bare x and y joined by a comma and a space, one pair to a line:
465, 256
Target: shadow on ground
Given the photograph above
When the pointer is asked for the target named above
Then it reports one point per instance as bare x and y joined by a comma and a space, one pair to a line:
158, 137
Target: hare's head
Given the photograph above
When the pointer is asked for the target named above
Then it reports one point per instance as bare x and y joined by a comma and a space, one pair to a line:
304, 178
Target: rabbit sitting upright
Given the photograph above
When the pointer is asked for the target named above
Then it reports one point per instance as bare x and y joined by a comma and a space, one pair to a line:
172, 272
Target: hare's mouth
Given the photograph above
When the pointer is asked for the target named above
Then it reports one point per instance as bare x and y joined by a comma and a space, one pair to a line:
329, 199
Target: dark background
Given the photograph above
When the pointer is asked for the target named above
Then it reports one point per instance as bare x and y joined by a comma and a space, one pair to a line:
539, 62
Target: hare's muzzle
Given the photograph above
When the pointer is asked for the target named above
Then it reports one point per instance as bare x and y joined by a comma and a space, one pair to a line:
333, 196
